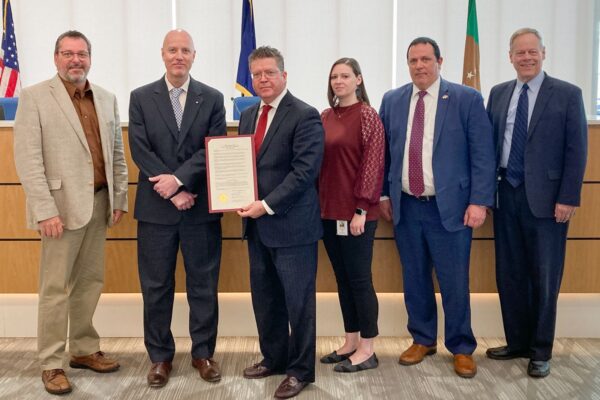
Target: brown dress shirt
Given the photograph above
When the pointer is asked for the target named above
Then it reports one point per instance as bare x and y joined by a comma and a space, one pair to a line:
84, 106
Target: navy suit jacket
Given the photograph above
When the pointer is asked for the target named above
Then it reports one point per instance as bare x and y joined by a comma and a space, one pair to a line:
463, 151
287, 167
157, 148
556, 148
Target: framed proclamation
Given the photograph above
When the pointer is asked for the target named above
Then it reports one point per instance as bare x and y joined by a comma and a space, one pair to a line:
230, 172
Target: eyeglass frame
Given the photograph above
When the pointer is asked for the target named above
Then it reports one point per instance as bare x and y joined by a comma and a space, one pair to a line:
270, 74
84, 55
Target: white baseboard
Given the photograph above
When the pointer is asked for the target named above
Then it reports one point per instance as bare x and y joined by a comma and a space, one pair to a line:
120, 315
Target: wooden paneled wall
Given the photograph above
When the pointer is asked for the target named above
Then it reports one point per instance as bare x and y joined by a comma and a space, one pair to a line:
19, 247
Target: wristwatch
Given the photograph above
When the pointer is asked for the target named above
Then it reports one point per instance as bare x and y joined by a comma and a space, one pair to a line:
360, 211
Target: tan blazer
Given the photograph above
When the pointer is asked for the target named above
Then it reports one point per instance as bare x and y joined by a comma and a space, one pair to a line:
53, 159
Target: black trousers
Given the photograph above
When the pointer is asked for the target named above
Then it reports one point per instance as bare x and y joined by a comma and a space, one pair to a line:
282, 280
530, 256
157, 257
351, 258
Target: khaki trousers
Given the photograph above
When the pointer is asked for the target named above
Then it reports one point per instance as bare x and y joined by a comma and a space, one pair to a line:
71, 280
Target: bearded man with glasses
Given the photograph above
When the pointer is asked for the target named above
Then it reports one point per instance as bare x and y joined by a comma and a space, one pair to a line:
70, 160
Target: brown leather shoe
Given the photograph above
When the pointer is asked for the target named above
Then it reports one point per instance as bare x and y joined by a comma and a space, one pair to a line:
290, 387
208, 368
55, 381
159, 374
464, 365
97, 362
416, 353
257, 371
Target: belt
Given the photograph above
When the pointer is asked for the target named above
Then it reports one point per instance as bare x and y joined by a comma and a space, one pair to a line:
424, 198
502, 172
420, 198
99, 188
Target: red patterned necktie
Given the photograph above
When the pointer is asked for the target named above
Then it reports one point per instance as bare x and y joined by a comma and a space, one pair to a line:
261, 127
415, 149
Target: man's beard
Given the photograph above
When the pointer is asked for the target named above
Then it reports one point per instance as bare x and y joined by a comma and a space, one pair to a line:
76, 77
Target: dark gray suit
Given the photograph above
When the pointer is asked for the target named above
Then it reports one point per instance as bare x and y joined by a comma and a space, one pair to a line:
530, 244
283, 246
158, 148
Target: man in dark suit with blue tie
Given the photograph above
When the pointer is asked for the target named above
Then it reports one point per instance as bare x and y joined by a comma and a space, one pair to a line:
439, 177
283, 227
540, 132
168, 121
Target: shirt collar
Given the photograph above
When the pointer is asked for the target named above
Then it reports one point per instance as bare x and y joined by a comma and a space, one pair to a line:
72, 89
432, 90
534, 84
276, 101
185, 85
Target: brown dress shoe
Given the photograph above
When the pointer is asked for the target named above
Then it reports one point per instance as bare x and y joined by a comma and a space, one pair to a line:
290, 387
257, 371
55, 381
416, 353
97, 362
208, 368
464, 365
159, 374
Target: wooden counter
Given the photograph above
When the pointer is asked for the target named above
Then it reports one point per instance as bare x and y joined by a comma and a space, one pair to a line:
19, 247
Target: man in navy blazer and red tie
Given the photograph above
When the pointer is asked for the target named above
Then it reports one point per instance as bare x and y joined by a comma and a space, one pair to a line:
439, 177
540, 132
283, 227
168, 122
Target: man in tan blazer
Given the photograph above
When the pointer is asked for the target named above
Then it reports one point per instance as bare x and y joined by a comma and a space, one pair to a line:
69, 157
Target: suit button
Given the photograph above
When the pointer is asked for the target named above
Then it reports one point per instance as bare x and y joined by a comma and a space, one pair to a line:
91, 183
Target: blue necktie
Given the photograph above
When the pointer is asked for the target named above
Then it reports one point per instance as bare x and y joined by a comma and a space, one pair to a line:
515, 169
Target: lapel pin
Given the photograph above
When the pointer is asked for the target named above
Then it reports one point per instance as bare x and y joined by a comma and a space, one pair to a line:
196, 101
445, 97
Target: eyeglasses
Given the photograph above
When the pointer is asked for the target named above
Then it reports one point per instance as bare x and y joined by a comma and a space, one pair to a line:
270, 74
83, 55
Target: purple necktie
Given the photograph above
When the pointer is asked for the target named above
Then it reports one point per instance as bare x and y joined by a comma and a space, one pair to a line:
415, 149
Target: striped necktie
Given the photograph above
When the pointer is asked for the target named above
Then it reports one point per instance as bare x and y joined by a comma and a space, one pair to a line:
515, 169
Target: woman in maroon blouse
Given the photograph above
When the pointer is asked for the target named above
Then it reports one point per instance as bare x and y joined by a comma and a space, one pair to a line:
349, 188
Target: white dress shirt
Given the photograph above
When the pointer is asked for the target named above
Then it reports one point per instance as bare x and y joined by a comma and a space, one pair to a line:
182, 99
430, 100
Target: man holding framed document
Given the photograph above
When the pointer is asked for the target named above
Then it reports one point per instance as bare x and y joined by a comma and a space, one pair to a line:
230, 172
283, 227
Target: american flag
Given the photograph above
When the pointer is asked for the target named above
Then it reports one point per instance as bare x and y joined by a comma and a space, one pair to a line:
10, 84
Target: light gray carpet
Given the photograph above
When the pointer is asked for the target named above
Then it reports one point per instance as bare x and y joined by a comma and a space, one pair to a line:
575, 374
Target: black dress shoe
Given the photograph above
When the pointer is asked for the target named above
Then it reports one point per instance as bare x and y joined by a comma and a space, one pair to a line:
504, 353
334, 357
538, 369
347, 366
290, 387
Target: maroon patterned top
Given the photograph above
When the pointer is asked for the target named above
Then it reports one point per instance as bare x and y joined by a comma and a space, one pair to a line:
352, 171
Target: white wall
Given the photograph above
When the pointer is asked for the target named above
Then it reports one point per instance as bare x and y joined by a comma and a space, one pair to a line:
127, 36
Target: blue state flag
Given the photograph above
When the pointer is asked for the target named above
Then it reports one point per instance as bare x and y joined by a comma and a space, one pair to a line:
244, 80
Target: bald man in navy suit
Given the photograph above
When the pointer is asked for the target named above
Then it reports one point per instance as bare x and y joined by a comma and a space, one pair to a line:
168, 122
